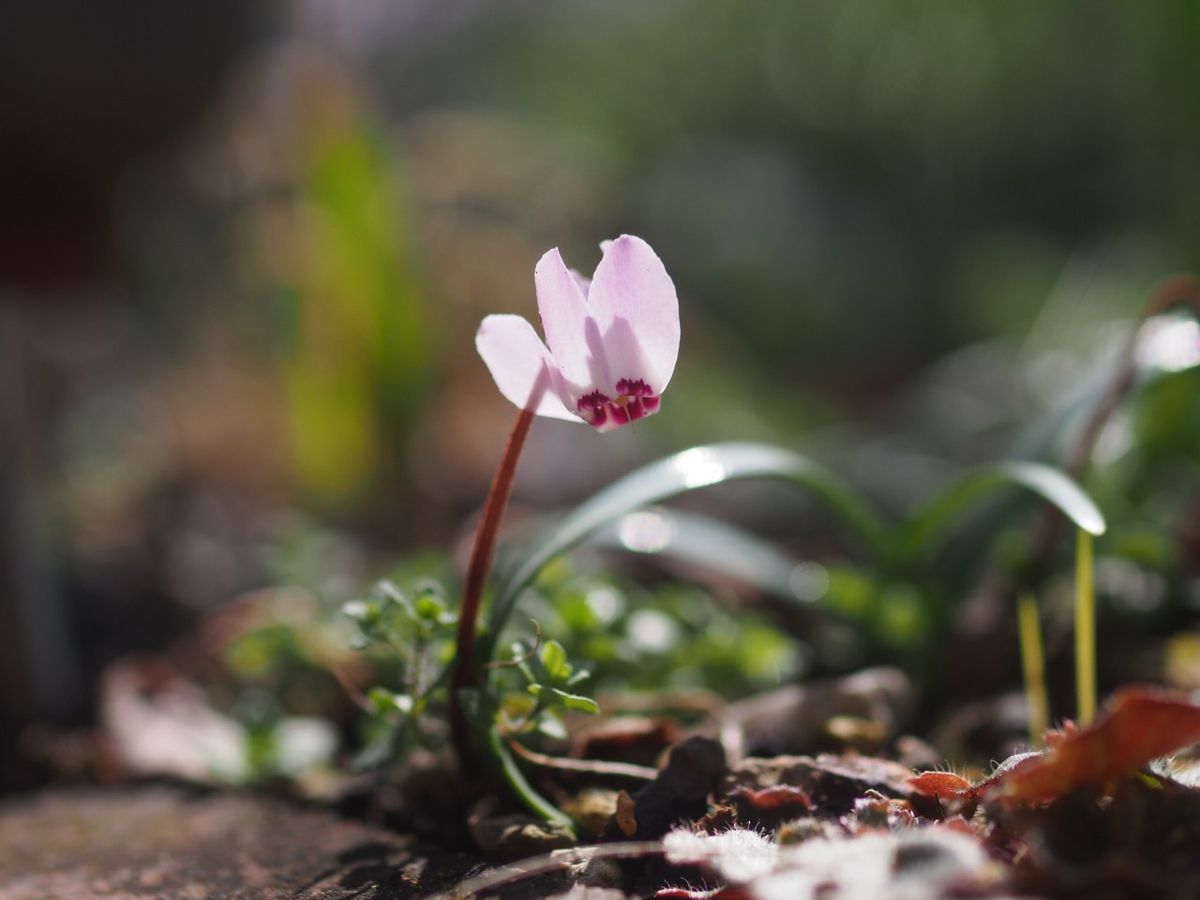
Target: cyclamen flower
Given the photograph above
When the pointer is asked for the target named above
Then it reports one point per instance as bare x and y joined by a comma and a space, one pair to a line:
611, 343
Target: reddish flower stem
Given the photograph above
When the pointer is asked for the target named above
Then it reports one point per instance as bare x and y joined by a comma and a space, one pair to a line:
466, 673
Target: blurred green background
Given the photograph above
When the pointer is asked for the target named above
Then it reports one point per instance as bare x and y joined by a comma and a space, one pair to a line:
245, 253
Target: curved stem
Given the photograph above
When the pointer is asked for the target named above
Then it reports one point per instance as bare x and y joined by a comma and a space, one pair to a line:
466, 673
521, 789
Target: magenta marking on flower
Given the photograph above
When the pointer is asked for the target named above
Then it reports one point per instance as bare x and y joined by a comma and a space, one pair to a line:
634, 401
593, 408
611, 342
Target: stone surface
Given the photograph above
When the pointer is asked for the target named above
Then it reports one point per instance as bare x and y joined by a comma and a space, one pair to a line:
172, 842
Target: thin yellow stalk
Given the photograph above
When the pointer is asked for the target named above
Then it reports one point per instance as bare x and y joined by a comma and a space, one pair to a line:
1085, 631
1033, 667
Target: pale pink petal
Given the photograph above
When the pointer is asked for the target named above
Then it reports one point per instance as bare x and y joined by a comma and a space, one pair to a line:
564, 313
634, 301
623, 358
584, 284
521, 365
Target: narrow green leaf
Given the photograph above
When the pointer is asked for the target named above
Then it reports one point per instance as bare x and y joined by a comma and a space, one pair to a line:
511, 773
1053, 485
711, 545
687, 471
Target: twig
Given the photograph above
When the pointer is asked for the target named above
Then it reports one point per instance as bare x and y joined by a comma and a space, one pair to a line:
509, 663
356, 696
558, 859
687, 700
589, 766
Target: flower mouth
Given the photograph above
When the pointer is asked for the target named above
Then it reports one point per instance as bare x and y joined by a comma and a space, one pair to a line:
634, 400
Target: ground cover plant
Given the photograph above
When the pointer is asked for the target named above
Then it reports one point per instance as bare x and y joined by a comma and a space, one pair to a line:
696, 775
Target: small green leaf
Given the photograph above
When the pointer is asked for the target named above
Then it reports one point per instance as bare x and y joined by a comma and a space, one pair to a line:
517, 706
381, 699
385, 701
576, 702
430, 607
360, 610
552, 727
554, 661
389, 592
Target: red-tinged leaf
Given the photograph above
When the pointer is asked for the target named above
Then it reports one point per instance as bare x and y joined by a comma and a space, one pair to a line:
960, 825
1138, 724
937, 794
773, 797
769, 807
1056, 736
941, 784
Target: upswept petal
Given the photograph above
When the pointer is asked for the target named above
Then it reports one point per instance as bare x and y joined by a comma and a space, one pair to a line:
517, 359
584, 284
564, 313
624, 358
634, 300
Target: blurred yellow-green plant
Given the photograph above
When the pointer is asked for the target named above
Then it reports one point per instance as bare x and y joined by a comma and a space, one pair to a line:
361, 353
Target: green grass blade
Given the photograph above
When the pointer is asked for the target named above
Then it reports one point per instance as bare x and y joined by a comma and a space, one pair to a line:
708, 544
690, 470
930, 525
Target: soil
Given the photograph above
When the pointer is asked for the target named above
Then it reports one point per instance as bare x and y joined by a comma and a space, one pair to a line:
1100, 813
